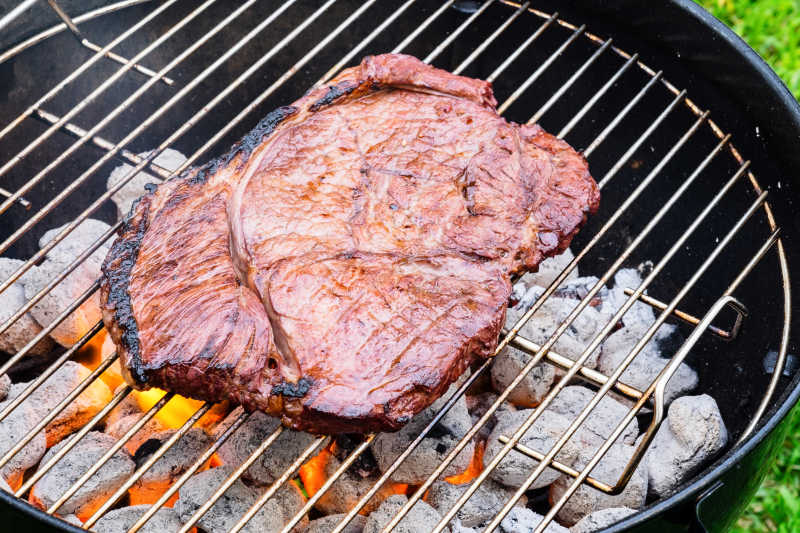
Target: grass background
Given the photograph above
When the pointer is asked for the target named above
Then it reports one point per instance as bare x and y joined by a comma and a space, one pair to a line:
772, 28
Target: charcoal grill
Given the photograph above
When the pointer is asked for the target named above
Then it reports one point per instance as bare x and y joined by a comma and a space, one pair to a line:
676, 134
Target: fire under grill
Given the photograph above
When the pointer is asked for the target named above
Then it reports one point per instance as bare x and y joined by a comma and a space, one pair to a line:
678, 200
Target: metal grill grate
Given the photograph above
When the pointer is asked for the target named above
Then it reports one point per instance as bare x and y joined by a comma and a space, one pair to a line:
500, 15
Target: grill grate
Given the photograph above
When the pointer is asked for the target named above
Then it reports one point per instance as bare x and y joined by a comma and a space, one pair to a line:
510, 13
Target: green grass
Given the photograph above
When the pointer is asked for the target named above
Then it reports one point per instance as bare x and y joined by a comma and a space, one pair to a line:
772, 28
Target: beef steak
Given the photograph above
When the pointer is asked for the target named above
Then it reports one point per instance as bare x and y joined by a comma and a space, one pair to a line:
348, 259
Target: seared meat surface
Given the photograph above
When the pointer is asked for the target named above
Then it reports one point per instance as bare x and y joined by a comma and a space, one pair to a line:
350, 258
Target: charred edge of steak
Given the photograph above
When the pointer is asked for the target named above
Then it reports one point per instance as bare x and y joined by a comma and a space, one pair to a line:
333, 93
245, 146
124, 253
292, 390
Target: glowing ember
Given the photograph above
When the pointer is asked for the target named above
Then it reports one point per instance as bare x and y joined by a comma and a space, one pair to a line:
475, 467
215, 461
177, 411
312, 474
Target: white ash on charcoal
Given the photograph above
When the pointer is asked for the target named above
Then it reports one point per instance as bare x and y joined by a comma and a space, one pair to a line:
646, 366
434, 448
76, 283
549, 317
25, 328
77, 461
508, 365
326, 524
601, 519
515, 467
257, 428
72, 519
177, 460
421, 518
128, 406
349, 489
478, 404
587, 500
481, 507
55, 388
549, 269
640, 315
5, 386
13, 428
235, 502
523, 520
169, 159
602, 420
121, 520
457, 527
693, 433
148, 431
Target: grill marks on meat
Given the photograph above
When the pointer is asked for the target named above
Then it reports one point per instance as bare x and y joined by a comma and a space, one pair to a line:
346, 261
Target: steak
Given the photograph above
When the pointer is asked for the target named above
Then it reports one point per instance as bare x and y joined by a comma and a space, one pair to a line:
348, 259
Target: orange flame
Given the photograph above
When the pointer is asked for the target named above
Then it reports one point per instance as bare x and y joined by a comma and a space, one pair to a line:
475, 467
312, 474
179, 409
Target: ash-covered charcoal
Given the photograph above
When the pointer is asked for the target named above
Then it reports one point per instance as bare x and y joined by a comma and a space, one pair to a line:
481, 506
348, 490
550, 316
587, 500
55, 388
25, 328
146, 433
326, 524
74, 285
258, 427
19, 422
508, 365
640, 316
646, 365
434, 448
693, 433
365, 464
169, 467
578, 289
235, 502
128, 406
602, 420
601, 519
5, 386
478, 404
121, 520
420, 519
76, 463
168, 159
515, 467
549, 269
72, 519
523, 520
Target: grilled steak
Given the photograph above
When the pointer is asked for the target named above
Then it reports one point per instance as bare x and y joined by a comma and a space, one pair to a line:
348, 259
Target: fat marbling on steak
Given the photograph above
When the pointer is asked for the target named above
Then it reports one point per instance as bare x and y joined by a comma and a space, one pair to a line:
350, 257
